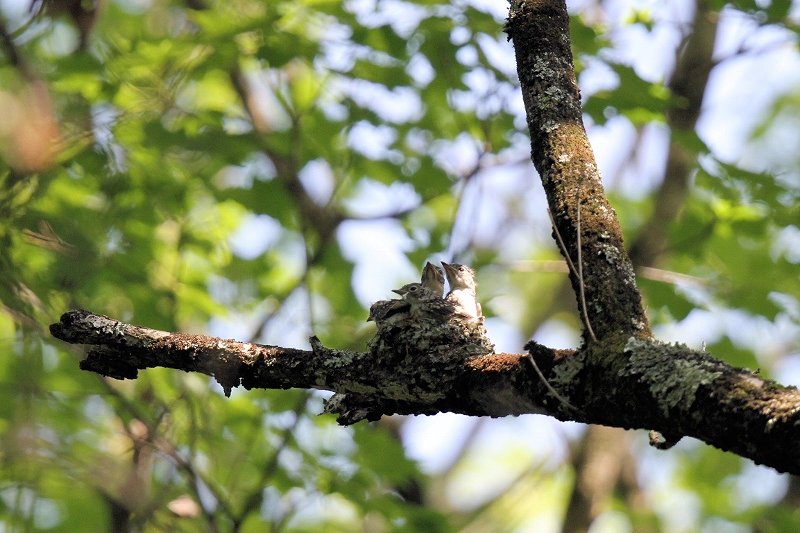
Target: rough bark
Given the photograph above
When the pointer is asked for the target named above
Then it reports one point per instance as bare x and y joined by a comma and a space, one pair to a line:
693, 65
610, 303
638, 384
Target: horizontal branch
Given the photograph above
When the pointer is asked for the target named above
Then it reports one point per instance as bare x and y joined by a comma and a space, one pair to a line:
641, 384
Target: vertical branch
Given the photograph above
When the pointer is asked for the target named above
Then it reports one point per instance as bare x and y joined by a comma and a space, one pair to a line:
563, 157
693, 64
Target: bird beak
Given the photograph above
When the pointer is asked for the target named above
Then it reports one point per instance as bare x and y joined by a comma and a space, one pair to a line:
448, 267
398, 291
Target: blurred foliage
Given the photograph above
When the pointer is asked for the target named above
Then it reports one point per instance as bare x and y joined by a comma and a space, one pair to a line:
195, 166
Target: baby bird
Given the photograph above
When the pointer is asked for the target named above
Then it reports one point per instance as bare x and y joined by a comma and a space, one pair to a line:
412, 294
462, 291
415, 293
426, 304
382, 310
433, 279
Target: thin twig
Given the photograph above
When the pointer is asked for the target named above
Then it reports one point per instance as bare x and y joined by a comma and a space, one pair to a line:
256, 498
561, 243
578, 273
549, 387
580, 276
14, 57
168, 450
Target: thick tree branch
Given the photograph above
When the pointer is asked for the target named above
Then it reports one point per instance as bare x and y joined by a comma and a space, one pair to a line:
599, 468
563, 157
637, 384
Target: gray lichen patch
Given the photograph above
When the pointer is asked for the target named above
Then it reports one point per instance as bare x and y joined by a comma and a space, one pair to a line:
341, 359
672, 379
566, 374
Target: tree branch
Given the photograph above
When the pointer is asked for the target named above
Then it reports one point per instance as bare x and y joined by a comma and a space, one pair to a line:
626, 379
693, 63
687, 84
563, 157
636, 384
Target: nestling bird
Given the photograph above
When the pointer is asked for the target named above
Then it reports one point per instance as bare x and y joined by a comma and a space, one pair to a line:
425, 304
415, 292
462, 291
423, 324
433, 279
383, 310
412, 294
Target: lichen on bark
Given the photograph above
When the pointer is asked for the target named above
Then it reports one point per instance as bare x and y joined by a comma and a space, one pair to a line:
672, 381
